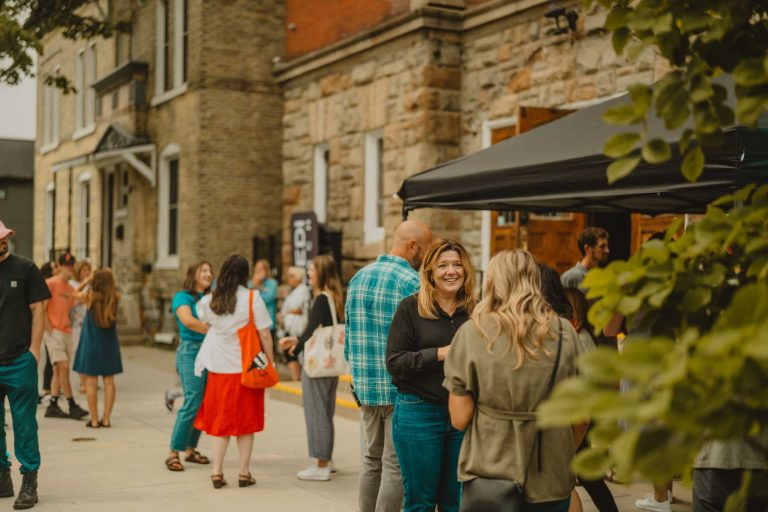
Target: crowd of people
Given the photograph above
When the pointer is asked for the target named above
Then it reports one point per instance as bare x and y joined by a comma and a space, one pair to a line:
447, 379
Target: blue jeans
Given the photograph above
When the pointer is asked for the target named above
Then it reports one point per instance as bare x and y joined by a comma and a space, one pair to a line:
18, 382
427, 447
184, 434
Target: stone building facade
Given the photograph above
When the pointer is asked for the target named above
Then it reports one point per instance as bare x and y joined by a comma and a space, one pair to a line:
213, 122
165, 154
433, 80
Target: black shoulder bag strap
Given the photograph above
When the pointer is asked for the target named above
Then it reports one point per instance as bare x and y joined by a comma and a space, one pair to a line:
537, 441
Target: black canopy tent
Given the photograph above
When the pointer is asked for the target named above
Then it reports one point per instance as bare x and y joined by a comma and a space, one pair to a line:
561, 167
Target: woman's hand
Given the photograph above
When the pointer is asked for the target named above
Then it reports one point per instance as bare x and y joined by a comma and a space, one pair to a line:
442, 352
288, 343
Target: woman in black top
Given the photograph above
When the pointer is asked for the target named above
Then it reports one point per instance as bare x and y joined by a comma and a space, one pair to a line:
319, 394
427, 445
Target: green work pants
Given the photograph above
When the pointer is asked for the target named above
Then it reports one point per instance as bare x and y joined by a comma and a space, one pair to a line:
18, 382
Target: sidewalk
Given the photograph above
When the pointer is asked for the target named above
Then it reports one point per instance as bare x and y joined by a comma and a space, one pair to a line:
121, 469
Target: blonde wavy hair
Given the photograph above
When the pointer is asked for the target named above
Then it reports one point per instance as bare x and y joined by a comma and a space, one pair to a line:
427, 291
512, 297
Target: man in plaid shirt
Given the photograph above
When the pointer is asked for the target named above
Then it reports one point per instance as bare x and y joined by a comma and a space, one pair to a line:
372, 299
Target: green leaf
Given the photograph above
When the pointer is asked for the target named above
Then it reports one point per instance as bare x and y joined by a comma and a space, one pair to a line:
622, 168
656, 151
693, 163
750, 72
629, 305
591, 463
617, 18
696, 298
701, 88
663, 24
737, 502
620, 114
619, 39
620, 144
685, 140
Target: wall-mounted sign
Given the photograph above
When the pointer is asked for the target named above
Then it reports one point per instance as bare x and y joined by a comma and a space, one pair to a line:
305, 238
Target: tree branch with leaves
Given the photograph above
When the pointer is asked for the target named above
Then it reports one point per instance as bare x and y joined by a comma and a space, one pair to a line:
700, 371
25, 23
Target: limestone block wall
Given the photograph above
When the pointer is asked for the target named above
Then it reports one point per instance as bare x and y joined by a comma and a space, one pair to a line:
410, 90
516, 61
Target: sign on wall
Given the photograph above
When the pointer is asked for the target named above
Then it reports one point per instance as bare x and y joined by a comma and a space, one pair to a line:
305, 239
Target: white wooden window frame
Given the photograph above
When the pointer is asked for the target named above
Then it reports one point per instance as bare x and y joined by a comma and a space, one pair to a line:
90, 94
373, 226
80, 90
84, 215
321, 182
49, 212
177, 56
51, 116
165, 260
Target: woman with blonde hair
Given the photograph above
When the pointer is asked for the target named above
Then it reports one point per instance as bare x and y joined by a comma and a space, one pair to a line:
500, 368
424, 324
98, 353
319, 393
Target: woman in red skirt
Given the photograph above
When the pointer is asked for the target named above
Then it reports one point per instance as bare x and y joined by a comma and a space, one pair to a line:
229, 408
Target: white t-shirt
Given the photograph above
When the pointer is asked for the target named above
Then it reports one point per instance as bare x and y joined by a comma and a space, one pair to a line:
220, 351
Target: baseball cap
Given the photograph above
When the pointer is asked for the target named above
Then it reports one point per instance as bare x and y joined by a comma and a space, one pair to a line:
5, 232
66, 259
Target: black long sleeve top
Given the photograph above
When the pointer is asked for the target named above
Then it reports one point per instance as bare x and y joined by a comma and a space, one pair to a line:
319, 315
412, 349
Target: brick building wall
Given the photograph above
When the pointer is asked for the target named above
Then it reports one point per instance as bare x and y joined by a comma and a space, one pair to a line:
222, 124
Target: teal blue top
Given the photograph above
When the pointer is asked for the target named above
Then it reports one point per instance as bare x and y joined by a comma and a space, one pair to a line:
268, 292
186, 298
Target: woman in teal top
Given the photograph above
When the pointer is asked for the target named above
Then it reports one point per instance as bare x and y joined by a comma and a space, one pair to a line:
267, 286
191, 332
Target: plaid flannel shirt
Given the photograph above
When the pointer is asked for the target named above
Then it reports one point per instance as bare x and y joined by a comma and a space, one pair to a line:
372, 299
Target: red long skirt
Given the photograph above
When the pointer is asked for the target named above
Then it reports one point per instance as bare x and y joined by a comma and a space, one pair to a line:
229, 408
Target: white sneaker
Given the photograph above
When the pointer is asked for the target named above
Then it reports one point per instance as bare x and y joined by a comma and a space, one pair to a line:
315, 473
650, 503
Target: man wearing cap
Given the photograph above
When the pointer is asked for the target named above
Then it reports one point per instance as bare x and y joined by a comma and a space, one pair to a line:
22, 317
58, 338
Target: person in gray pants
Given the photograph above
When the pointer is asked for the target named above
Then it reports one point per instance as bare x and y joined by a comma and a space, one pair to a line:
372, 299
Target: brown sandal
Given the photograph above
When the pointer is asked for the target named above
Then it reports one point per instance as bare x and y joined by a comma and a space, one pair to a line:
197, 458
218, 481
174, 464
245, 480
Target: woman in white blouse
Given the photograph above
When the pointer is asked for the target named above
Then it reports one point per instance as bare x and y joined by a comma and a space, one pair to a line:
229, 408
294, 314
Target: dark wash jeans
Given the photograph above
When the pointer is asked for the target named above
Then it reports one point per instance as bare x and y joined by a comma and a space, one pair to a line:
427, 447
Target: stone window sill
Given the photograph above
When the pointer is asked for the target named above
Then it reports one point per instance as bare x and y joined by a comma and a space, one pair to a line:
167, 263
49, 147
83, 132
169, 95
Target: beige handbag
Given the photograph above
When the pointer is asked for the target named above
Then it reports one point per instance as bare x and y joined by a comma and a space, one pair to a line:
324, 351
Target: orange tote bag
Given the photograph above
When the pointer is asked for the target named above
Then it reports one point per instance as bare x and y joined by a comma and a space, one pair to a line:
258, 370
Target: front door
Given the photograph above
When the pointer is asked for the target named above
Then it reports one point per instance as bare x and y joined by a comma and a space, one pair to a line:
552, 238
108, 216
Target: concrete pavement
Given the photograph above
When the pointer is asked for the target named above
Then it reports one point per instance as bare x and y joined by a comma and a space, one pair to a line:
121, 468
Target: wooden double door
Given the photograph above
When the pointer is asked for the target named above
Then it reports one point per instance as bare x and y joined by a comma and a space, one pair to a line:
552, 237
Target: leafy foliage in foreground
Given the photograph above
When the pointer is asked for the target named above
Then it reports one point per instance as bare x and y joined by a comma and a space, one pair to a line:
700, 371
701, 39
